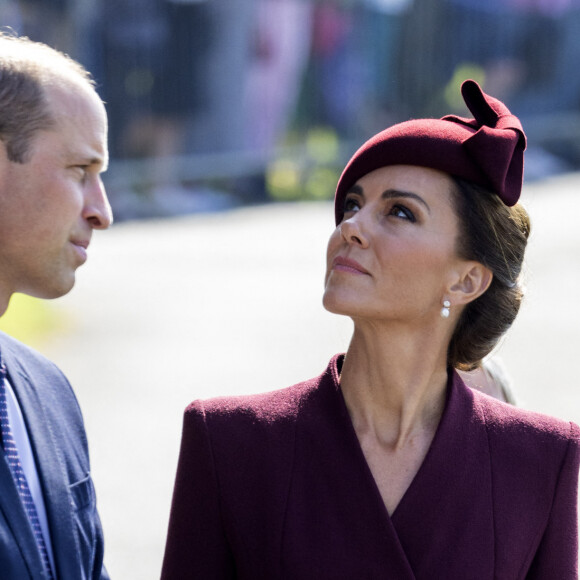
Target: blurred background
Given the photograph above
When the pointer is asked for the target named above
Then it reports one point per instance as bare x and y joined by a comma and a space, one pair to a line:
230, 122
214, 103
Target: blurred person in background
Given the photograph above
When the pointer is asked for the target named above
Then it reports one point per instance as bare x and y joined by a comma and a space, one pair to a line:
491, 378
387, 464
53, 148
279, 55
49, 21
380, 31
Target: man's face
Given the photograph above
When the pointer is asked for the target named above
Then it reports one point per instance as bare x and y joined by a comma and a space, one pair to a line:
50, 204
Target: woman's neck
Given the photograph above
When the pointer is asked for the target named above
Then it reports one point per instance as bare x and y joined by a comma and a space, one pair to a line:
394, 384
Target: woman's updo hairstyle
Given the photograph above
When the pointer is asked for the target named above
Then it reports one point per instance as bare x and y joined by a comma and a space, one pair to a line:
485, 158
496, 236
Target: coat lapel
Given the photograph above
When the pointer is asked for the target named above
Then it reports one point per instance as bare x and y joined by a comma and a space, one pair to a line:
445, 519
50, 464
443, 526
334, 509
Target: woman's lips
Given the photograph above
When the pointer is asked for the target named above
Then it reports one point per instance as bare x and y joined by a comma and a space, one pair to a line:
347, 265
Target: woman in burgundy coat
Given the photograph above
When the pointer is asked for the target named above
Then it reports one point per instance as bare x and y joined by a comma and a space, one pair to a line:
387, 466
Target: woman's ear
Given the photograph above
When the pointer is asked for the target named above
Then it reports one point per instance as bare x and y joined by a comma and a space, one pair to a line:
474, 280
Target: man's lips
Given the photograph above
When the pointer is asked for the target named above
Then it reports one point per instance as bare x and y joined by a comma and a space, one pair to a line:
343, 264
81, 243
81, 248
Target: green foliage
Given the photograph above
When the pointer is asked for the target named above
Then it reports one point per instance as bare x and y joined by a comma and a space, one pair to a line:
310, 175
30, 320
464, 71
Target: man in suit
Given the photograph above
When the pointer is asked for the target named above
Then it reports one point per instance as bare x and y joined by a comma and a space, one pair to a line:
53, 148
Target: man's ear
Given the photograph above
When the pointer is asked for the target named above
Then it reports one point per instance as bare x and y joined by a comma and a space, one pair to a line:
474, 280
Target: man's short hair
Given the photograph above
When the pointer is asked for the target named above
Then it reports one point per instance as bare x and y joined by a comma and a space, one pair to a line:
26, 69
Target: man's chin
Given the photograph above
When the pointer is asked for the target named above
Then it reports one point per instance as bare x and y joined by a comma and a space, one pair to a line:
53, 290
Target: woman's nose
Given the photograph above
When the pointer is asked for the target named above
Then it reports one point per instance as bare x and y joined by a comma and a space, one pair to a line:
353, 232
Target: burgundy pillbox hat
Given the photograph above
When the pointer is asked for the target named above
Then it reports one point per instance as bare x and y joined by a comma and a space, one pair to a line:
488, 150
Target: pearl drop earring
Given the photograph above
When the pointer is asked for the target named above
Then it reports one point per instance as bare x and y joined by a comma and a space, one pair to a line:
445, 310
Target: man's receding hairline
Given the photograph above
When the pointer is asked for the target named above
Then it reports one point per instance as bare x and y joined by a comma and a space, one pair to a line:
50, 64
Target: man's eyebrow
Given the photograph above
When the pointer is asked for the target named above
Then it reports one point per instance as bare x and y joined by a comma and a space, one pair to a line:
391, 194
102, 162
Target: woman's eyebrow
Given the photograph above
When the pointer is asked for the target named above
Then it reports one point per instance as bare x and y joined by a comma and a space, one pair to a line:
356, 189
390, 194
393, 193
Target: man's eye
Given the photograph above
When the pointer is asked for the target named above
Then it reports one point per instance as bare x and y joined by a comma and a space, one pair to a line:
81, 170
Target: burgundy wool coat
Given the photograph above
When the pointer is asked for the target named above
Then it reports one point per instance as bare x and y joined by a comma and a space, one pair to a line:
275, 486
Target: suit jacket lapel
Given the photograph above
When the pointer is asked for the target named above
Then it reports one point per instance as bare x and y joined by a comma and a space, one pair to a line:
51, 468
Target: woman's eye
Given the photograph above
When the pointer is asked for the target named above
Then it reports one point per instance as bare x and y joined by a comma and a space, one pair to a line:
351, 204
400, 211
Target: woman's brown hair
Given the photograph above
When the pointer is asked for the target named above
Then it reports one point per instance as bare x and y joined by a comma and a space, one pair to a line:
496, 236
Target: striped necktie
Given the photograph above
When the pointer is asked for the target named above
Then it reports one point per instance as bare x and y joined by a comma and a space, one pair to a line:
11, 453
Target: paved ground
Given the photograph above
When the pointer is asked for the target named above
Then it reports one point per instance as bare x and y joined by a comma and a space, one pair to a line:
168, 311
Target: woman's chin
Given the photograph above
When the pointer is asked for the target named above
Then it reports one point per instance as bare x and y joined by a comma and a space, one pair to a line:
338, 304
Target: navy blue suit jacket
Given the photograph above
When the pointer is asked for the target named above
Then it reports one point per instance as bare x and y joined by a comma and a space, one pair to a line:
57, 435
